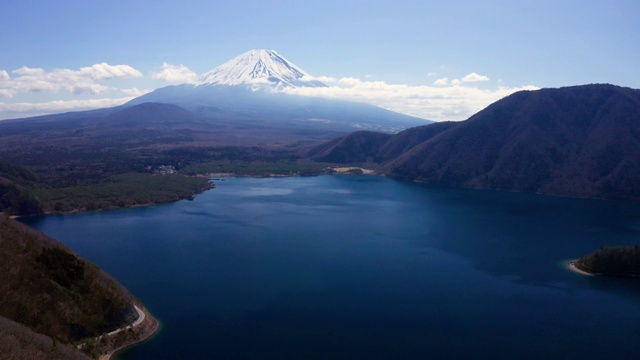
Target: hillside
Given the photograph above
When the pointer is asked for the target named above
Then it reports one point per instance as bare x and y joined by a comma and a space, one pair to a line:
15, 195
408, 139
357, 147
54, 292
579, 141
19, 342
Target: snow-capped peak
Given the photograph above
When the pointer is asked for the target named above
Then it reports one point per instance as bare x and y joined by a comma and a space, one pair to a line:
258, 67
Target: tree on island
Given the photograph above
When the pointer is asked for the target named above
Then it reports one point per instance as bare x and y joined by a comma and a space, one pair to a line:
613, 261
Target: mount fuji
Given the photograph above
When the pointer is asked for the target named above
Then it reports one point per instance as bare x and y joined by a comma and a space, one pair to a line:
248, 89
258, 67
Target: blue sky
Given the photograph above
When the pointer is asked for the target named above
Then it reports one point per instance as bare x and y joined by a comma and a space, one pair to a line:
438, 60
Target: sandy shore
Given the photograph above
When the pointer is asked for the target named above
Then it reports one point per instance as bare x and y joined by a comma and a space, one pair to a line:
347, 170
571, 265
143, 331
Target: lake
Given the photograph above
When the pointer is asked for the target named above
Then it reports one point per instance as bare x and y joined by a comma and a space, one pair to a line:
357, 267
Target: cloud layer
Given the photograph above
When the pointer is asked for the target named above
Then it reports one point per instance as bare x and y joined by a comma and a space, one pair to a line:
175, 74
448, 101
82, 81
469, 78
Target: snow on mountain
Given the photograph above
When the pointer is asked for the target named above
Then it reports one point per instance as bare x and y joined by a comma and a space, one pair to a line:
246, 88
258, 68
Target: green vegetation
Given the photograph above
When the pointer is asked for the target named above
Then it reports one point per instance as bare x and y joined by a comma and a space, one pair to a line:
61, 178
614, 261
123, 190
115, 191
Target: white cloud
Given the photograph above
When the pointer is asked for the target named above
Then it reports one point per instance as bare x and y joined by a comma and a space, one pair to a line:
24, 109
453, 102
442, 81
4, 75
83, 81
105, 71
446, 99
135, 91
473, 77
175, 74
87, 88
324, 79
4, 93
26, 71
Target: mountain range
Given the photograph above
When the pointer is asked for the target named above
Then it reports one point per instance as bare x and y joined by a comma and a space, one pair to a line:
581, 141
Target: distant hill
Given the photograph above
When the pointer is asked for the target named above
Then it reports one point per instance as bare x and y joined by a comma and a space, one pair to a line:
357, 147
147, 114
54, 292
240, 105
579, 141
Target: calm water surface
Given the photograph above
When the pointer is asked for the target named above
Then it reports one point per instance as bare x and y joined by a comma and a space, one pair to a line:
339, 267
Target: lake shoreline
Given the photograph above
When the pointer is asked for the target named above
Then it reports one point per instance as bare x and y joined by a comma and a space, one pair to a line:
147, 329
311, 261
571, 266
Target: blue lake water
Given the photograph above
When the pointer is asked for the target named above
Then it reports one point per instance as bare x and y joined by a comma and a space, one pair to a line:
347, 267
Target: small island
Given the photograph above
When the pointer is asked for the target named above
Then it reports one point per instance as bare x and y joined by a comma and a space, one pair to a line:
620, 261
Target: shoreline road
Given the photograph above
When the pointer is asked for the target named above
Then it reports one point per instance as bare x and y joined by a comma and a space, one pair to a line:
148, 328
139, 320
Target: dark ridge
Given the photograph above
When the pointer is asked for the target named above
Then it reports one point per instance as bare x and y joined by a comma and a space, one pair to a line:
577, 141
410, 138
357, 147
581, 141
53, 291
374, 147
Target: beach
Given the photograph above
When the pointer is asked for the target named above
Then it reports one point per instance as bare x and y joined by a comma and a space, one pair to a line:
571, 265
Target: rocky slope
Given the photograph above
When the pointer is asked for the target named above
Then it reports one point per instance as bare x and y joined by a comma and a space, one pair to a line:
54, 293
